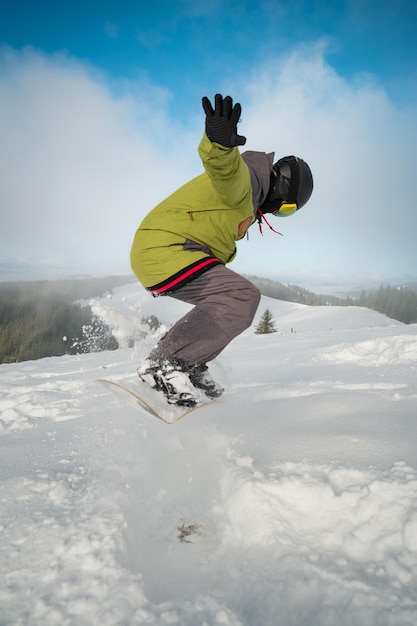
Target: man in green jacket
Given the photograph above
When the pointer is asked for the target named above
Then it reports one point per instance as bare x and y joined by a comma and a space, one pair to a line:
182, 246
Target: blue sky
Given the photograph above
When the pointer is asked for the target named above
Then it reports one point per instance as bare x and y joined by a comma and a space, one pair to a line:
100, 111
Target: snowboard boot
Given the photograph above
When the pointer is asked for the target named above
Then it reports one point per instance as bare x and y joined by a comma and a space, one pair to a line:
170, 378
201, 378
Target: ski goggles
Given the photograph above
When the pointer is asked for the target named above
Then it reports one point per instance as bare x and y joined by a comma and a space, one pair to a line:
285, 210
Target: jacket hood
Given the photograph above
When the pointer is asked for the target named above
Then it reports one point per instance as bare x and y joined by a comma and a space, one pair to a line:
260, 167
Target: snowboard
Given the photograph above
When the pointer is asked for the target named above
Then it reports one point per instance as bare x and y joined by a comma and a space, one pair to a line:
150, 400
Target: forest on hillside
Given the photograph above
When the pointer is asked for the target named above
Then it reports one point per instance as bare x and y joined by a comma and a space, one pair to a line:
398, 303
43, 318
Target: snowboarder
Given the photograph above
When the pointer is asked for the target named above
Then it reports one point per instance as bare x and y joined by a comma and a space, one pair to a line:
182, 246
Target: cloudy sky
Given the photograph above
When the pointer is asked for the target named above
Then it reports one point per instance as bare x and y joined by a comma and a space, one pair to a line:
100, 118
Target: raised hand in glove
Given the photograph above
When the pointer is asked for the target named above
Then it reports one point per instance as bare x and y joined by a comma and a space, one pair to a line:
221, 123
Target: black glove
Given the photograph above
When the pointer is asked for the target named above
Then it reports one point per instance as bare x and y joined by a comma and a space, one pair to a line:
221, 124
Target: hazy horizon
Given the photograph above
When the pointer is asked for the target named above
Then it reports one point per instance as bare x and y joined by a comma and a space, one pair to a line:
341, 288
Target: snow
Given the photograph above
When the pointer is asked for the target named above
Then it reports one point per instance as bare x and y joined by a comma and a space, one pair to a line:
292, 501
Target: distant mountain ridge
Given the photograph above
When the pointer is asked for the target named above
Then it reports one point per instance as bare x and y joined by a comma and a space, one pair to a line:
398, 302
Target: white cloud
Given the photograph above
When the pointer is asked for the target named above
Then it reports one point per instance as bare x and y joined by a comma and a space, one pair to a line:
362, 215
83, 159
80, 166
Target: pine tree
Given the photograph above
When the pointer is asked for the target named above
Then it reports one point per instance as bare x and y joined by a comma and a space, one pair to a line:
266, 324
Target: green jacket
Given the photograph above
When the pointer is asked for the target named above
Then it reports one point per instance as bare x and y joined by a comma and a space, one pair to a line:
198, 225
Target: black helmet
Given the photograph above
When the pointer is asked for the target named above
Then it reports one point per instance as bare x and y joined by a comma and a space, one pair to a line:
291, 183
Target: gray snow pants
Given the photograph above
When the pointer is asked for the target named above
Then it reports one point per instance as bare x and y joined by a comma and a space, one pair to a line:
225, 305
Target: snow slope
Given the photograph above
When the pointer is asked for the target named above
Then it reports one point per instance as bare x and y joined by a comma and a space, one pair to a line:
291, 502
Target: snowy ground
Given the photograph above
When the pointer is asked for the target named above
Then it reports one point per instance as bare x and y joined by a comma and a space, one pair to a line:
291, 502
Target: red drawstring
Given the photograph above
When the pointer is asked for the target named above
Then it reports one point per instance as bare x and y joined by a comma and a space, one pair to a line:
261, 217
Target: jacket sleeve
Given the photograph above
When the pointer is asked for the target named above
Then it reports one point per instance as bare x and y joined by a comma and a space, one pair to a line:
227, 171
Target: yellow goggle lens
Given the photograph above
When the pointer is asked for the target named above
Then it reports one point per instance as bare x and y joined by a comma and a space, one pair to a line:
285, 210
